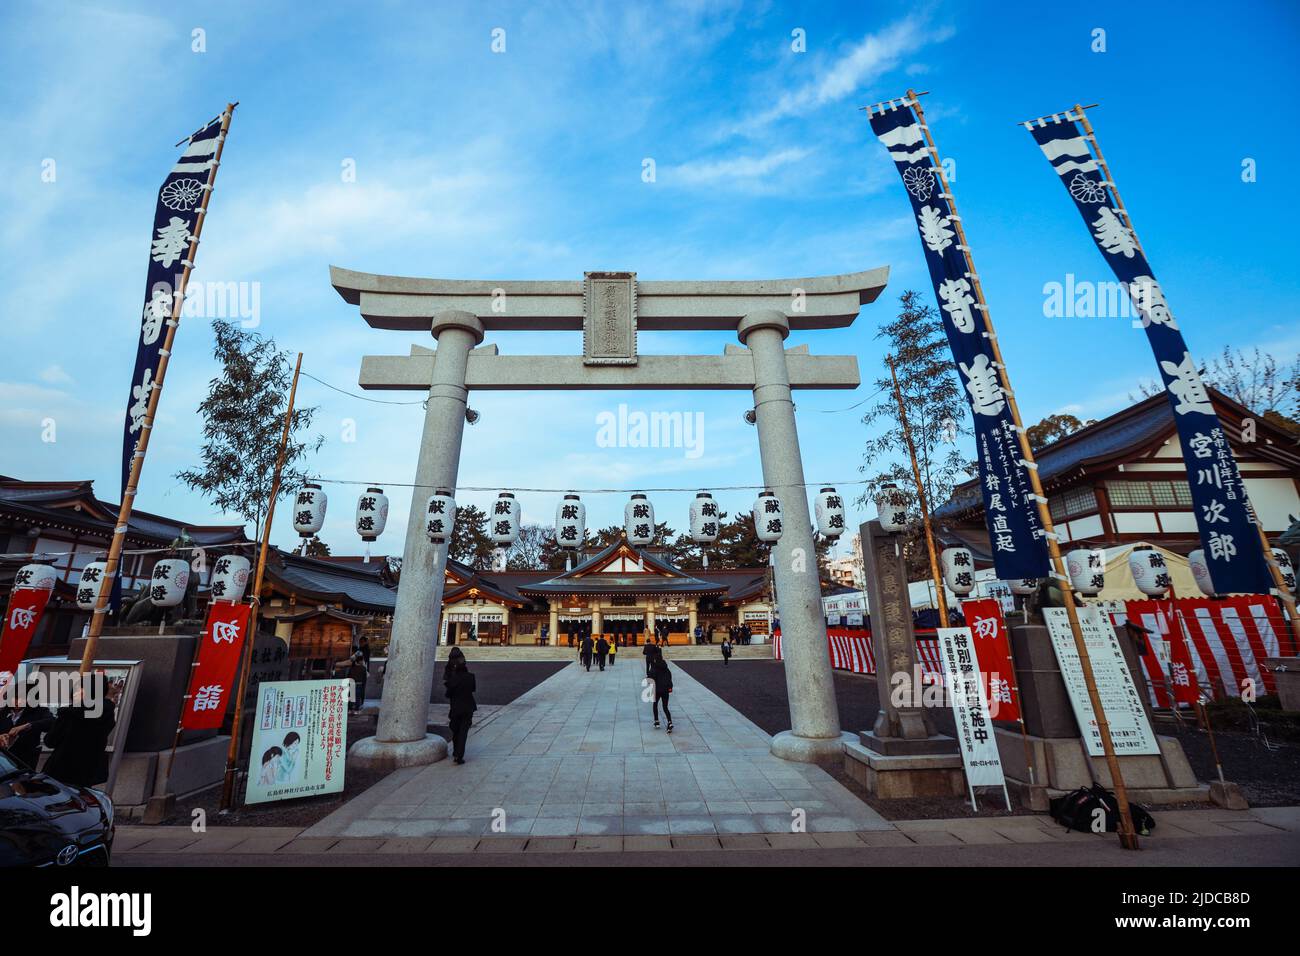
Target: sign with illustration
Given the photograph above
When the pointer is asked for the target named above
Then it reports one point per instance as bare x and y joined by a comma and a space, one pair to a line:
299, 740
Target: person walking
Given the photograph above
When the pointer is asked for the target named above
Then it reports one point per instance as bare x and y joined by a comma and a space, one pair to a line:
613, 650
80, 734
663, 678
602, 650
650, 651
460, 686
587, 649
359, 674
726, 651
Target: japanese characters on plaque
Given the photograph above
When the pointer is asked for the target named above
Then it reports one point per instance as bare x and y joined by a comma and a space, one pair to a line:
1130, 731
609, 318
1226, 524
1015, 530
299, 740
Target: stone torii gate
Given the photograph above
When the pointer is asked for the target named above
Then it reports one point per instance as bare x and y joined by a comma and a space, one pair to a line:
608, 307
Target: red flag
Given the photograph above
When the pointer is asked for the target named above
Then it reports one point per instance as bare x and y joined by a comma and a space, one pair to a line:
993, 652
25, 608
1178, 673
212, 684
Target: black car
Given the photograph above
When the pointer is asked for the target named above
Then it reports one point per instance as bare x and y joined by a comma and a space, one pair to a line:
47, 823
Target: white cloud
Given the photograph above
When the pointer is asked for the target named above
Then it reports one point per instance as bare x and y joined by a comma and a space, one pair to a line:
732, 171
859, 65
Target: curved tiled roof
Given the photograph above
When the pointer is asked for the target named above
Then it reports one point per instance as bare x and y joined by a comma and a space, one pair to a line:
330, 582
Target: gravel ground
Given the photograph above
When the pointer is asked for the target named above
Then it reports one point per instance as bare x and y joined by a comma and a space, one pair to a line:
498, 683
1269, 777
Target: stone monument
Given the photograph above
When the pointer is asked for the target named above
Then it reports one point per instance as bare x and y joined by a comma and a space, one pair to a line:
901, 755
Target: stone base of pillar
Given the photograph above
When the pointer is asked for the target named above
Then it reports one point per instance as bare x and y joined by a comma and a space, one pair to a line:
371, 753
827, 750
905, 776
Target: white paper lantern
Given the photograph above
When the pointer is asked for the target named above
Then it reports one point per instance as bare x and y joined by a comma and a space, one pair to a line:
230, 578
440, 516
42, 577
570, 523
1023, 586
1150, 573
1201, 572
639, 520
503, 525
704, 518
1284, 565
309, 510
828, 507
168, 582
92, 575
705, 525
958, 567
768, 520
891, 509
1087, 569
372, 514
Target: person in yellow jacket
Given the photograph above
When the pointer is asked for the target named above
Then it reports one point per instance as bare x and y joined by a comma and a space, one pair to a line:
613, 648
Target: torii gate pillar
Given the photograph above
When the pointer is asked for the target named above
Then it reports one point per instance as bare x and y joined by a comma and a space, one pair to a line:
401, 739
814, 716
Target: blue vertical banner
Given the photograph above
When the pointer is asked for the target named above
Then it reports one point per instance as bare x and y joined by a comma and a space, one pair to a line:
175, 215
1015, 530
1224, 519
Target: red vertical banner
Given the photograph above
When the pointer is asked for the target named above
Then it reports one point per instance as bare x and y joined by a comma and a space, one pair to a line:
1175, 671
26, 605
212, 681
993, 652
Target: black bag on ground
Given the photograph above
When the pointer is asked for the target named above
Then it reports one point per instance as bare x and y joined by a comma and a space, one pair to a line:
1077, 810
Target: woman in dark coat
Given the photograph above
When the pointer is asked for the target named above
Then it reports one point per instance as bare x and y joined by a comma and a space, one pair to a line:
663, 678
460, 686
79, 736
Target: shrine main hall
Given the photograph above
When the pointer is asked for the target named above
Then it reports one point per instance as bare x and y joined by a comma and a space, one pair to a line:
623, 592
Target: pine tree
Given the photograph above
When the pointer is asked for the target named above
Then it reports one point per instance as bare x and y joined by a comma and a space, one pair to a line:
243, 417
937, 413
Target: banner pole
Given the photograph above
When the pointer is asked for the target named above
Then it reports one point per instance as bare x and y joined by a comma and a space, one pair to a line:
155, 393
1279, 582
246, 660
920, 495
1127, 833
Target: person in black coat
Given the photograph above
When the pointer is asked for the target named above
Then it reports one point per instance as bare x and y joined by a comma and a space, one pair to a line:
460, 685
80, 734
588, 649
602, 651
21, 729
726, 650
651, 651
663, 678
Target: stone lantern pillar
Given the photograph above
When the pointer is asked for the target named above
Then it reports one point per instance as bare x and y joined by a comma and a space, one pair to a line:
814, 717
401, 739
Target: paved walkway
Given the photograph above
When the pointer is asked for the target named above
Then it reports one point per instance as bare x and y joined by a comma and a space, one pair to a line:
1202, 837
578, 756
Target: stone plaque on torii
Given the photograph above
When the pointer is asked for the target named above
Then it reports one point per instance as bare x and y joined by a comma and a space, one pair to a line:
608, 308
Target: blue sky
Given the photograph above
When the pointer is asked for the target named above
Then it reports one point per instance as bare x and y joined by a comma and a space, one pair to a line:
527, 164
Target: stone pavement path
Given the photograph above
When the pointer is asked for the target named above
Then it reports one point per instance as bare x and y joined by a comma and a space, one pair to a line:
578, 756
